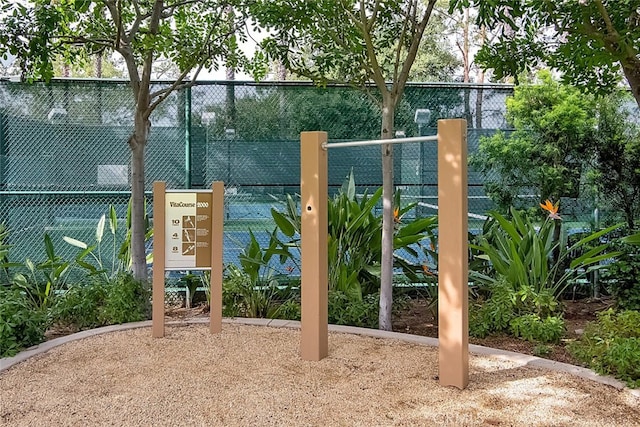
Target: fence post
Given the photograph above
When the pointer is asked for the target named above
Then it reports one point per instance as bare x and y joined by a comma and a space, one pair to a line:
3, 154
187, 138
453, 287
314, 258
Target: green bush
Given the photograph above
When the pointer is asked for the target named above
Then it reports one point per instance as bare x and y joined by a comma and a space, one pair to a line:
623, 278
532, 327
532, 255
21, 325
80, 307
494, 314
524, 313
289, 310
611, 345
344, 310
98, 303
128, 300
245, 295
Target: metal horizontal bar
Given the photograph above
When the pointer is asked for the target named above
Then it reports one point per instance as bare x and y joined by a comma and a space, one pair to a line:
381, 141
469, 214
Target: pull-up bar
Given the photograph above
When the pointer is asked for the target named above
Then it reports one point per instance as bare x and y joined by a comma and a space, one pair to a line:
380, 142
453, 288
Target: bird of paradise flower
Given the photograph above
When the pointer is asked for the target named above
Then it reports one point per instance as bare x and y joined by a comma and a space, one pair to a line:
552, 208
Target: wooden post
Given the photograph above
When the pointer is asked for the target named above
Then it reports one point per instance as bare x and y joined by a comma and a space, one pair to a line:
314, 264
217, 228
453, 288
157, 313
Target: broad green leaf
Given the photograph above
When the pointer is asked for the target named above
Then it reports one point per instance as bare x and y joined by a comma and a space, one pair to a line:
283, 223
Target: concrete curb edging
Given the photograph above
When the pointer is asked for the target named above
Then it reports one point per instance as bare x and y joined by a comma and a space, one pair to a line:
518, 358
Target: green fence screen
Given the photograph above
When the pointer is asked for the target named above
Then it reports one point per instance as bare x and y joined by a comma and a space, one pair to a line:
64, 157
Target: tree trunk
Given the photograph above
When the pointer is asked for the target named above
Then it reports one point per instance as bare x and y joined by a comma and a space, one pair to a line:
632, 73
137, 143
386, 263
480, 79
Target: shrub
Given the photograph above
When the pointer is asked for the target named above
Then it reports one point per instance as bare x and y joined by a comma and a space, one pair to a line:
344, 310
532, 327
623, 278
21, 325
289, 310
122, 299
494, 314
611, 345
533, 256
81, 305
525, 313
127, 300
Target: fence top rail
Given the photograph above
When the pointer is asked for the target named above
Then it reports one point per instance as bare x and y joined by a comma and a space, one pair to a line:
380, 141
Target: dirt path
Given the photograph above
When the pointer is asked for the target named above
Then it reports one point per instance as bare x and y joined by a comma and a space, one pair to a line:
253, 376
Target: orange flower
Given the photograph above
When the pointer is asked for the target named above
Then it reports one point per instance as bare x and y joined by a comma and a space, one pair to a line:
289, 268
425, 269
396, 214
551, 208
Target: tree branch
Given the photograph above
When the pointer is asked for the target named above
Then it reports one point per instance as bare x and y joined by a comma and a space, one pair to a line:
154, 25
376, 71
413, 50
410, 16
123, 47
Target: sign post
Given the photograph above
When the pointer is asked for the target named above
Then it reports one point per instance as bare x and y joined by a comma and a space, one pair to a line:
187, 235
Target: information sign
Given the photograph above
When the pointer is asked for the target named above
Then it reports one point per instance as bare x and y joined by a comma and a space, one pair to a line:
188, 230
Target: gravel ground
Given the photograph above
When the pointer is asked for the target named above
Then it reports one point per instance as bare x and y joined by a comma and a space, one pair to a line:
253, 376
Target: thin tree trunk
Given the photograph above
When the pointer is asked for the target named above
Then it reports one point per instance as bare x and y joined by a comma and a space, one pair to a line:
480, 79
137, 144
632, 73
386, 263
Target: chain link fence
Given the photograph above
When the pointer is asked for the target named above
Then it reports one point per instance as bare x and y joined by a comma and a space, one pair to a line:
64, 157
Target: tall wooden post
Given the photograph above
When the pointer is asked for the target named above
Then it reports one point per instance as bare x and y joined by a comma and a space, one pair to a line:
217, 229
157, 313
453, 288
314, 264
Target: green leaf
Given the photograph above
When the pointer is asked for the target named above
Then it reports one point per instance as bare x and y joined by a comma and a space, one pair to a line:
86, 266
633, 239
48, 245
113, 220
283, 223
594, 236
30, 265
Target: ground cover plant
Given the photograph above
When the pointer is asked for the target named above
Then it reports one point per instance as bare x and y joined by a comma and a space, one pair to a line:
521, 270
622, 277
36, 296
611, 345
355, 249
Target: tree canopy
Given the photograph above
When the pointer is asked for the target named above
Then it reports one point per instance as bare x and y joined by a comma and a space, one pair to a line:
357, 42
592, 42
544, 155
194, 35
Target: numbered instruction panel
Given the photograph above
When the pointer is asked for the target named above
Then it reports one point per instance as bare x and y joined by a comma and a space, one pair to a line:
188, 230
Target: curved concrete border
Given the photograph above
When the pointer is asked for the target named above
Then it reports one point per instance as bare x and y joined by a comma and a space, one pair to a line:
518, 358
